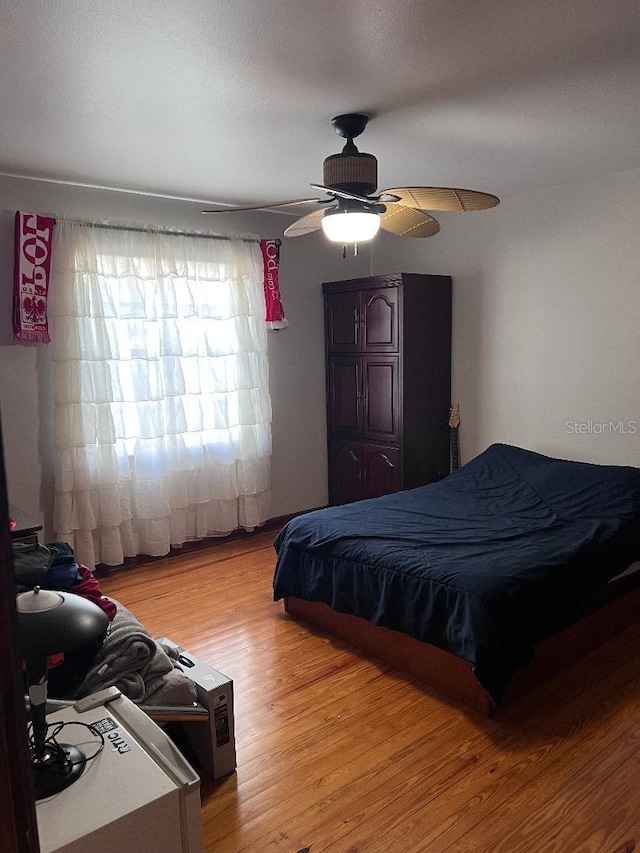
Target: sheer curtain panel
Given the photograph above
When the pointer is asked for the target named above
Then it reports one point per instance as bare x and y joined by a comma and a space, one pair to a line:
162, 407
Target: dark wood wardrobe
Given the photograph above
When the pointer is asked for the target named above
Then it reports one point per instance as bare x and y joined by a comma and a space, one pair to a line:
388, 367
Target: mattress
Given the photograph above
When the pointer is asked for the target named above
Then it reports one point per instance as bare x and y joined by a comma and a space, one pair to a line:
484, 563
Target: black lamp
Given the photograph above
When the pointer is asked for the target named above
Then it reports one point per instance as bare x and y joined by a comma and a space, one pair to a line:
52, 622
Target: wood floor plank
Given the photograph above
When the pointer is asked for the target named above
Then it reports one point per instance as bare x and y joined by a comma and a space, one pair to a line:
341, 754
571, 821
333, 726
528, 756
354, 766
531, 816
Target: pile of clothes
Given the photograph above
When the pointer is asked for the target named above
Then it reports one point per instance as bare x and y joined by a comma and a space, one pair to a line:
54, 567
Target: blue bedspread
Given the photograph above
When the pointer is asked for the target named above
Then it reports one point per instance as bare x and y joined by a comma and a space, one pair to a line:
483, 563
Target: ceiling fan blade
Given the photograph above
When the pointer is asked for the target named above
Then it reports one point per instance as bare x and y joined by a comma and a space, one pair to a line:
268, 206
367, 199
344, 194
408, 222
305, 225
443, 198
386, 197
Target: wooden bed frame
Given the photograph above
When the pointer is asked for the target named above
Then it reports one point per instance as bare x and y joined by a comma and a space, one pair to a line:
452, 677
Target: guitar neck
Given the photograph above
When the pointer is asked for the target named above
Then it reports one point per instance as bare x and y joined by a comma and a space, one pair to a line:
454, 446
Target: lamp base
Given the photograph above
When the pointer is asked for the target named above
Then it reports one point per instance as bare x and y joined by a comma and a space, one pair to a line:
60, 766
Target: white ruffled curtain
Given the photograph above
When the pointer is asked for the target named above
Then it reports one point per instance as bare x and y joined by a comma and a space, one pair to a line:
162, 407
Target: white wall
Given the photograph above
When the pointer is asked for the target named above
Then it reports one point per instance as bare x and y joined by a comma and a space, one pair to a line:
296, 365
296, 354
546, 315
546, 318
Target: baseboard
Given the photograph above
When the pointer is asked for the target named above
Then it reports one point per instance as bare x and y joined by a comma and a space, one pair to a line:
275, 524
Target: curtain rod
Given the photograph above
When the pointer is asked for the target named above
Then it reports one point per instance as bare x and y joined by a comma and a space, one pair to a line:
176, 233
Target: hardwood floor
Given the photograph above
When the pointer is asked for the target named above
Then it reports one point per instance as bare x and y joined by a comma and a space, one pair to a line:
338, 753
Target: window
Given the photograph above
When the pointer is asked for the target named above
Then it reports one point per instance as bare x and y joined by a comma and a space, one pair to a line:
162, 406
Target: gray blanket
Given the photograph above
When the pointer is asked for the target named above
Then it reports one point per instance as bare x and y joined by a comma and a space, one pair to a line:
137, 665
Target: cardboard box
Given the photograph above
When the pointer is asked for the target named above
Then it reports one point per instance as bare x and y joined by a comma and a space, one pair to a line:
213, 740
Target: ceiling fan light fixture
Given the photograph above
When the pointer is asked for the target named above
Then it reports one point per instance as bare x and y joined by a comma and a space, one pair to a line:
356, 226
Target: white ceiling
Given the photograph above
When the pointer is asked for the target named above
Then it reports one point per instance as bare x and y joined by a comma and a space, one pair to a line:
230, 101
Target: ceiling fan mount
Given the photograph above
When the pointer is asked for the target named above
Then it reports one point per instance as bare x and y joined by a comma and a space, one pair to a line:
350, 171
350, 125
350, 180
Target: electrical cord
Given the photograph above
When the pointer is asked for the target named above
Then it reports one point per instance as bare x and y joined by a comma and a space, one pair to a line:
58, 753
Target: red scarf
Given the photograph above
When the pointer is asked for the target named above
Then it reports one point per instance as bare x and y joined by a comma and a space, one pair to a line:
32, 270
274, 310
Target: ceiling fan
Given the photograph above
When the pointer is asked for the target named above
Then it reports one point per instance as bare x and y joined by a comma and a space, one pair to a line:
352, 213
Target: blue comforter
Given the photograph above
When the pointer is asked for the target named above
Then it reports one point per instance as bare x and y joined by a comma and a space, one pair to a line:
484, 563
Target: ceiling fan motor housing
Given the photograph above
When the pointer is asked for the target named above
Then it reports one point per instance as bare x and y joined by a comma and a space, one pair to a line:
352, 172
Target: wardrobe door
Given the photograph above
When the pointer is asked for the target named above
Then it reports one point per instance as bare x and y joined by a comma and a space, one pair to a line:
381, 470
380, 312
345, 472
381, 397
344, 380
343, 321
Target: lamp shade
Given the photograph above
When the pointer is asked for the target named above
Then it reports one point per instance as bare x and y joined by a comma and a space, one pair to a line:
356, 226
51, 622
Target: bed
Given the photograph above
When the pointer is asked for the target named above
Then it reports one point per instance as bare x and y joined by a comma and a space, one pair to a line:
464, 582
